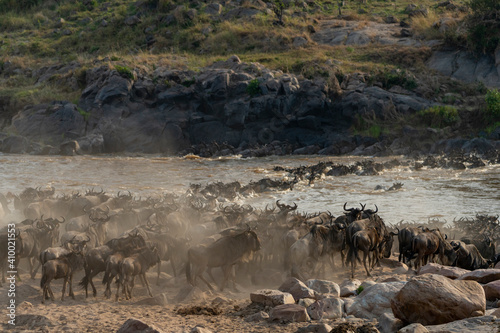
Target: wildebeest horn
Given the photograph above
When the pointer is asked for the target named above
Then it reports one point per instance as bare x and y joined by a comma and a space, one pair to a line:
392, 233
63, 220
348, 210
362, 206
376, 209
295, 206
278, 204
445, 236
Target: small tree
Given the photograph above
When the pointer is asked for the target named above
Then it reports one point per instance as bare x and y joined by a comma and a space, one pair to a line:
278, 8
484, 25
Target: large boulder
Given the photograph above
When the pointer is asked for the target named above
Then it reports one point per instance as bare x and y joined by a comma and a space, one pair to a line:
492, 290
448, 271
297, 288
324, 286
348, 287
271, 297
483, 324
375, 300
326, 308
434, 299
482, 275
289, 313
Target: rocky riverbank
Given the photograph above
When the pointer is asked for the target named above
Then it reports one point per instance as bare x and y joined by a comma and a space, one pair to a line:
230, 107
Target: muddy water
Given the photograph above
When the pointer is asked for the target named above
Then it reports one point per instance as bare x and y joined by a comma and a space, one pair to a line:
433, 193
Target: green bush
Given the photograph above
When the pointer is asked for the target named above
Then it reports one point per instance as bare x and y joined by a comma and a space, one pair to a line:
439, 116
84, 114
359, 290
483, 25
492, 105
398, 77
124, 72
253, 87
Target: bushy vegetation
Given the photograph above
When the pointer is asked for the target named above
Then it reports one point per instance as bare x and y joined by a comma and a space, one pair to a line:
493, 105
484, 25
125, 72
439, 116
253, 87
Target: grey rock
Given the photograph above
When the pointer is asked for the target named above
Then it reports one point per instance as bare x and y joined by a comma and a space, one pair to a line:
315, 328
213, 9
133, 325
256, 317
387, 323
414, 328
132, 20
375, 300
289, 313
16, 145
324, 286
348, 287
297, 288
326, 308
271, 297
299, 41
483, 324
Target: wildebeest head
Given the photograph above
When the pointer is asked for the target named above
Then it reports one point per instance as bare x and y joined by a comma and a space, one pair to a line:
253, 240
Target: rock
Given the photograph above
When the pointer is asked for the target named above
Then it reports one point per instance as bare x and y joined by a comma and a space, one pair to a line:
132, 20
434, 299
448, 271
91, 144
315, 328
160, 299
133, 325
16, 145
299, 41
482, 275
375, 300
69, 148
25, 306
213, 9
327, 308
259, 316
200, 329
492, 290
297, 288
32, 322
484, 324
305, 302
387, 323
414, 328
390, 20
324, 286
289, 313
349, 287
191, 14
311, 29
367, 284
271, 297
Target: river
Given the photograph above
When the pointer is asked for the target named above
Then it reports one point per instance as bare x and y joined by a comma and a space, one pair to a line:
431, 193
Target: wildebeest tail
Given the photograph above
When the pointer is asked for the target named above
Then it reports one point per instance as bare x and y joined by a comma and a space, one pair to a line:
105, 278
84, 282
355, 248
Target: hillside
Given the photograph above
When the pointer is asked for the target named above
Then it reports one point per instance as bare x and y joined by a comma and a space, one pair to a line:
395, 51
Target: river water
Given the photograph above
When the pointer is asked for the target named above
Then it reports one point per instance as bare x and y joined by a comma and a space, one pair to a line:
432, 193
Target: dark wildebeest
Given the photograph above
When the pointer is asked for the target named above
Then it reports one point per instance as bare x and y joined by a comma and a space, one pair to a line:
225, 252
136, 264
468, 256
431, 242
96, 258
366, 240
374, 221
405, 238
484, 244
63, 267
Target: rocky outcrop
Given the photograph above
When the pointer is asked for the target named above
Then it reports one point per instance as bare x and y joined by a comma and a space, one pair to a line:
432, 299
271, 297
289, 313
133, 325
482, 275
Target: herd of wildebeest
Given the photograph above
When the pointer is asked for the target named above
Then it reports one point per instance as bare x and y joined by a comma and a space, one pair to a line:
123, 237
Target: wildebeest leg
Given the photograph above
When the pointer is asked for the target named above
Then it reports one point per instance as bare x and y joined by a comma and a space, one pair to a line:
71, 286
226, 270
147, 284
365, 254
172, 263
36, 269
64, 287
203, 279
91, 275
209, 272
118, 281
158, 277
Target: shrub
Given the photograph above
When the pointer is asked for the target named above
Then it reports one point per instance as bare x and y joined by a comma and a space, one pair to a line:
124, 72
484, 25
253, 87
398, 77
85, 114
439, 116
188, 82
492, 105
359, 290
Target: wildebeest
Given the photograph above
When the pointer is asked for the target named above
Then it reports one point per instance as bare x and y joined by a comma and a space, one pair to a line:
468, 256
484, 244
321, 241
366, 240
405, 237
225, 252
63, 267
431, 242
96, 258
136, 264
